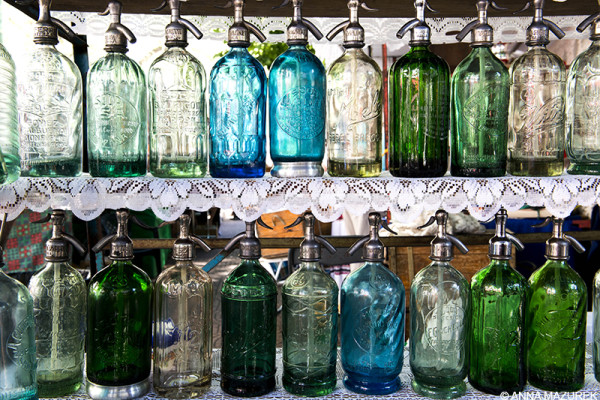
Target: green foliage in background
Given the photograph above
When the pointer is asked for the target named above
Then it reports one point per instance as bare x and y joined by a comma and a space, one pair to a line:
266, 53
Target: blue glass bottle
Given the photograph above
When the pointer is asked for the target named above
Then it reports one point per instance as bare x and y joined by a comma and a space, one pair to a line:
238, 99
297, 104
373, 303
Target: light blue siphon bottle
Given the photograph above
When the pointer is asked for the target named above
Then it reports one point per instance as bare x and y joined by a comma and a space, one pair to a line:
238, 99
373, 309
116, 106
297, 104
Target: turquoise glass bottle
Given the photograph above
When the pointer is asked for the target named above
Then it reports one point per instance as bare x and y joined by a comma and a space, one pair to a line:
556, 318
238, 100
310, 320
297, 104
119, 323
440, 317
249, 317
59, 296
116, 106
419, 105
497, 340
479, 104
177, 118
10, 168
50, 105
372, 320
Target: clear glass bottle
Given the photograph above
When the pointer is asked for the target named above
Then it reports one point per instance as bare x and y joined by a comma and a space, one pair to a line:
498, 298
119, 323
354, 105
238, 99
59, 295
177, 105
50, 105
10, 168
439, 322
372, 320
480, 89
556, 318
582, 118
419, 105
536, 124
116, 106
297, 104
17, 340
248, 354
183, 322
310, 320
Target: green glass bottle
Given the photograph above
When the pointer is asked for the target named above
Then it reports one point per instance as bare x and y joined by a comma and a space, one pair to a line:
498, 298
556, 318
420, 105
249, 317
119, 328
310, 320
480, 90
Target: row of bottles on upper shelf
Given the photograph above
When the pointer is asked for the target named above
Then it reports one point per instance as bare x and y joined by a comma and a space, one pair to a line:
500, 331
498, 120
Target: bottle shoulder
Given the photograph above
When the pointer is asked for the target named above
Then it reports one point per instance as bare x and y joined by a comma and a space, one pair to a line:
13, 292
355, 62
249, 274
292, 58
175, 274
587, 63
374, 276
311, 283
120, 274
66, 272
424, 59
537, 62
470, 67
431, 273
494, 275
237, 59
117, 63
176, 57
6, 58
546, 275
48, 59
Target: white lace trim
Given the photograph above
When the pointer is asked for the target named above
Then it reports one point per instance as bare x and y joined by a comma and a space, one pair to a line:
327, 197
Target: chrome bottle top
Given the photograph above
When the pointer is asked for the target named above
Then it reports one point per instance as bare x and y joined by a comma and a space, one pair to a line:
482, 33
297, 31
420, 33
538, 33
373, 248
557, 247
443, 243
239, 31
57, 247
593, 21
354, 33
117, 34
46, 27
176, 30
184, 248
248, 242
310, 248
501, 243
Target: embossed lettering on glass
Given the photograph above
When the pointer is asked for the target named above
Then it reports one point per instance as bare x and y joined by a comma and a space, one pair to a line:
354, 105
116, 106
536, 125
10, 167
177, 105
50, 105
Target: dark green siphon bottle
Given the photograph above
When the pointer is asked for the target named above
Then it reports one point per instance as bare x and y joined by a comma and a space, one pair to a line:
498, 298
249, 317
420, 105
556, 318
119, 329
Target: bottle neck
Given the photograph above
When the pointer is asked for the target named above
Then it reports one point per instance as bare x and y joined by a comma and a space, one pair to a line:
494, 263
418, 47
297, 46
311, 266
536, 47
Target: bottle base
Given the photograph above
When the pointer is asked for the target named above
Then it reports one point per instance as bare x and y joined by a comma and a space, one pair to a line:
182, 392
52, 169
308, 390
237, 171
478, 172
449, 392
247, 387
534, 167
496, 391
556, 387
372, 388
28, 393
354, 169
111, 169
126, 392
300, 169
59, 388
178, 170
583, 169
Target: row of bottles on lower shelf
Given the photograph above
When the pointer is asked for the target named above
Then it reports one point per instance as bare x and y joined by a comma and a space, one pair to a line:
499, 120
501, 330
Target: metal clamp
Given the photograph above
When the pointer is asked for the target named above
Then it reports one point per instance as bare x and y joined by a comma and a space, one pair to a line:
46, 27
57, 247
442, 244
185, 245
239, 31
557, 247
420, 33
354, 33
373, 247
482, 33
538, 31
297, 31
176, 30
117, 34
310, 248
593, 21
501, 243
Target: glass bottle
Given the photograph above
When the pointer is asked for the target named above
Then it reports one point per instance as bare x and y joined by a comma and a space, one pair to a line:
582, 118
177, 105
17, 340
354, 105
439, 324
498, 298
372, 320
183, 322
249, 318
10, 168
480, 89
419, 105
297, 104
119, 324
50, 105
59, 295
556, 318
310, 320
116, 106
238, 97
536, 125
